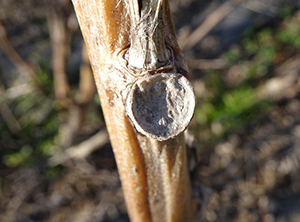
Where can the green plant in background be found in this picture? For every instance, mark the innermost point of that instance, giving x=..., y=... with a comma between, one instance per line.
x=290, y=33
x=38, y=121
x=18, y=158
x=233, y=55
x=228, y=106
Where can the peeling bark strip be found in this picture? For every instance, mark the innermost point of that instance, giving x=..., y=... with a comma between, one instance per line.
x=148, y=49
x=134, y=55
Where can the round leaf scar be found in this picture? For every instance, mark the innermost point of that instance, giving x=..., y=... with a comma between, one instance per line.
x=161, y=106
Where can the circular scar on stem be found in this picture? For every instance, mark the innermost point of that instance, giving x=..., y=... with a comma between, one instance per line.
x=161, y=106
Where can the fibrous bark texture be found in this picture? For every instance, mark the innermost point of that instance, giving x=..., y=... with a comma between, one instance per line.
x=129, y=43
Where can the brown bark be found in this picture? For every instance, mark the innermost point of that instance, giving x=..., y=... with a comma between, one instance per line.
x=154, y=173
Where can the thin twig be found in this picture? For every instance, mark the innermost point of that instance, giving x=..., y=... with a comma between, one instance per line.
x=60, y=39
x=81, y=150
x=14, y=57
x=210, y=22
x=16, y=91
x=207, y=64
x=9, y=118
x=7, y=115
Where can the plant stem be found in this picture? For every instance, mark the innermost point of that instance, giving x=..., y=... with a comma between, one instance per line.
x=154, y=174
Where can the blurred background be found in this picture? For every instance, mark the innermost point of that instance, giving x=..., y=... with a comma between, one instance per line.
x=244, y=140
